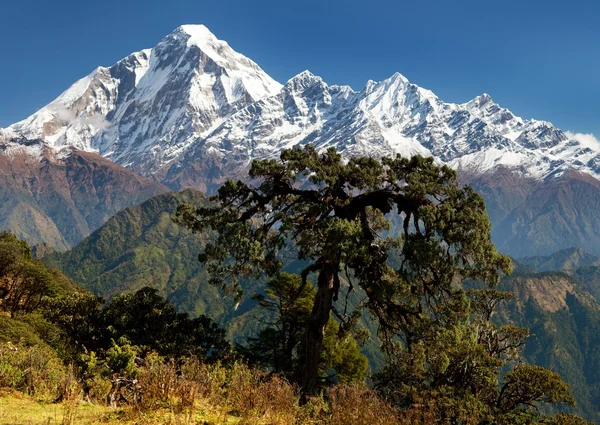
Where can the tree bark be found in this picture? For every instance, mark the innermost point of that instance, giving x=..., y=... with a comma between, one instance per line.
x=310, y=346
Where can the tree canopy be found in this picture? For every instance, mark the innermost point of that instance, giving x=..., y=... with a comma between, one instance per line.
x=338, y=215
x=24, y=281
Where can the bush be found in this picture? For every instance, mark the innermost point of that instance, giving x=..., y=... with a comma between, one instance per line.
x=254, y=395
x=358, y=405
x=17, y=331
x=157, y=381
x=98, y=389
x=35, y=370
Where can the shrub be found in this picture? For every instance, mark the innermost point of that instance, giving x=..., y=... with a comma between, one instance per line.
x=35, y=370
x=157, y=381
x=358, y=405
x=17, y=331
x=256, y=396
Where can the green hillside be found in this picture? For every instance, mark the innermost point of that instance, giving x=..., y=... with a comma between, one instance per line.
x=564, y=321
x=140, y=247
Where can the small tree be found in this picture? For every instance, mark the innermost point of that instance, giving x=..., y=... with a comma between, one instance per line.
x=338, y=216
x=152, y=323
x=456, y=371
x=276, y=345
x=24, y=282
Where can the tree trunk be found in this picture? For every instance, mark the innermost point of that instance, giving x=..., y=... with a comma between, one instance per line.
x=310, y=346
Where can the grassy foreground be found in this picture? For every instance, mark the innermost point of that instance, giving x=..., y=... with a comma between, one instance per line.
x=19, y=409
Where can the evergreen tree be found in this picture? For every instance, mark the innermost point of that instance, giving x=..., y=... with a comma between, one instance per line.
x=337, y=215
x=457, y=370
x=24, y=281
x=276, y=346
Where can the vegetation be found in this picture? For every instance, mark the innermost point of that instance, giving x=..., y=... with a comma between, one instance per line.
x=141, y=247
x=440, y=341
x=339, y=223
x=276, y=346
x=450, y=356
x=562, y=341
x=24, y=281
x=565, y=322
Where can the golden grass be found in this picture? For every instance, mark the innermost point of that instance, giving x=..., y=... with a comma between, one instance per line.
x=19, y=409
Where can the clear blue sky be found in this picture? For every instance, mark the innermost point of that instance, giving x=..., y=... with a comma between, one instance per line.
x=540, y=59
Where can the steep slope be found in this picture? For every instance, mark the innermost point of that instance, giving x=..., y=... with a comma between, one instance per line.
x=503, y=190
x=565, y=323
x=559, y=213
x=59, y=201
x=589, y=276
x=143, y=111
x=141, y=246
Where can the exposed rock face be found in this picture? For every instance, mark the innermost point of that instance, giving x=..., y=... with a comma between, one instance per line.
x=564, y=320
x=145, y=110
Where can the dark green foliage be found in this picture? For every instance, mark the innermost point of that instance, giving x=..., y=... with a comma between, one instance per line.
x=440, y=339
x=140, y=247
x=25, y=282
x=144, y=318
x=80, y=317
x=589, y=278
x=460, y=369
x=17, y=331
x=150, y=322
x=338, y=222
x=526, y=385
x=51, y=309
x=276, y=346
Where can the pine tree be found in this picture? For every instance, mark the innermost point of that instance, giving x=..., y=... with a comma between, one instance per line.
x=338, y=215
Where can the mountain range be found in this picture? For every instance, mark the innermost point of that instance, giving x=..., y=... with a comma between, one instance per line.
x=192, y=112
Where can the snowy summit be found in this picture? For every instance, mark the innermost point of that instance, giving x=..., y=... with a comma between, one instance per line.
x=192, y=104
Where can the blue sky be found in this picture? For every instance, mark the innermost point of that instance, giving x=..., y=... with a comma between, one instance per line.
x=540, y=59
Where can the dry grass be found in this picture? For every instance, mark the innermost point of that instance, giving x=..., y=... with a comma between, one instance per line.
x=359, y=405
x=198, y=394
x=20, y=409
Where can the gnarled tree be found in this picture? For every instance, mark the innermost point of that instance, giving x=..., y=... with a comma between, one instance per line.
x=338, y=217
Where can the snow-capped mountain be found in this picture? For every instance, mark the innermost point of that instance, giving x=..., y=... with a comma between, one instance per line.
x=194, y=105
x=145, y=110
x=192, y=112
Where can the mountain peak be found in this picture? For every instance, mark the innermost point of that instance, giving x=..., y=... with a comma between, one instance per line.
x=396, y=76
x=303, y=81
x=195, y=29
x=305, y=75
x=481, y=101
x=154, y=107
x=197, y=34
